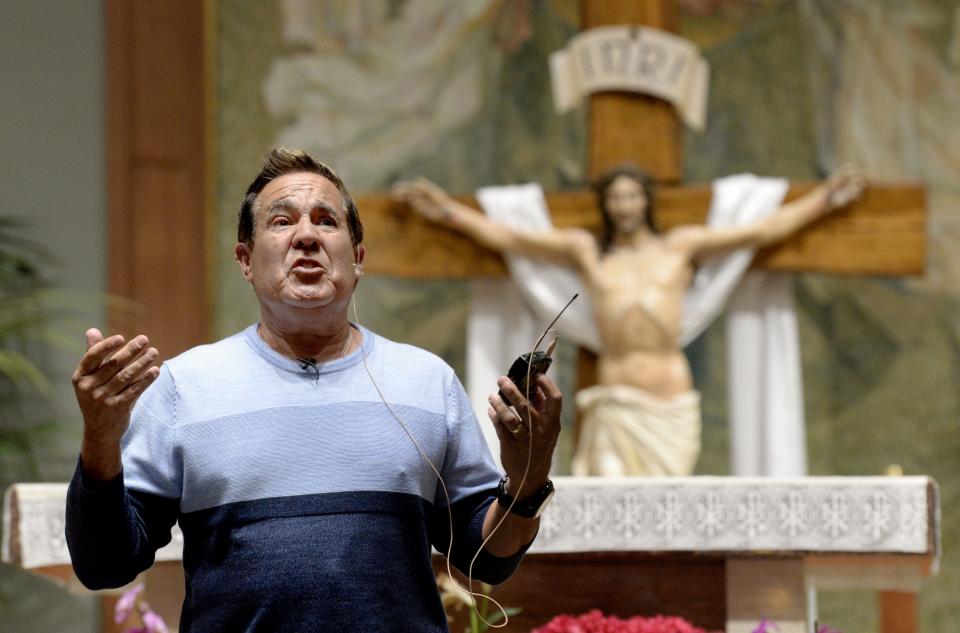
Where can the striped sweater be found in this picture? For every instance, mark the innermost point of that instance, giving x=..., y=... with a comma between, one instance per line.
x=303, y=503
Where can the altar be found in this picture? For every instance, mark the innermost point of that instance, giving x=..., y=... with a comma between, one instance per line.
x=722, y=552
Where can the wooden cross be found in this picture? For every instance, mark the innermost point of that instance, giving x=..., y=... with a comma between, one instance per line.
x=884, y=233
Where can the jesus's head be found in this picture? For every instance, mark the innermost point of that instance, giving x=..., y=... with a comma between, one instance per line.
x=625, y=195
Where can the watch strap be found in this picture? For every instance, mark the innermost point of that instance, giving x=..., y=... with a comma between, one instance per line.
x=529, y=507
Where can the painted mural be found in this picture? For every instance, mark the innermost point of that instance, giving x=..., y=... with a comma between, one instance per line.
x=459, y=92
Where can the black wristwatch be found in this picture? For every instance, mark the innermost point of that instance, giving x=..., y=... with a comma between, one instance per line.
x=530, y=507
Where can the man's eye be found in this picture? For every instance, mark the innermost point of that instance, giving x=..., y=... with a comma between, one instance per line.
x=281, y=221
x=328, y=221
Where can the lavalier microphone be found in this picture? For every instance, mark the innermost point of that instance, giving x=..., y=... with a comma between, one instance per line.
x=309, y=362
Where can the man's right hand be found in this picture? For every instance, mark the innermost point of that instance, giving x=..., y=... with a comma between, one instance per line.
x=110, y=377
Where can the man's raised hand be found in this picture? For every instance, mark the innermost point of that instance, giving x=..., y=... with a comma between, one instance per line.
x=108, y=380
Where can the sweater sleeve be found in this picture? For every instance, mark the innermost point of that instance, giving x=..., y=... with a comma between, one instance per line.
x=114, y=528
x=112, y=532
x=468, y=516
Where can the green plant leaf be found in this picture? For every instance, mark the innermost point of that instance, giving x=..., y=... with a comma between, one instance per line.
x=22, y=372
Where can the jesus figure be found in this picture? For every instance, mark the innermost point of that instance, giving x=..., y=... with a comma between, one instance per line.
x=643, y=416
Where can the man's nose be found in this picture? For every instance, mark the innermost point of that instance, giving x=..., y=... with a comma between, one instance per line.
x=307, y=236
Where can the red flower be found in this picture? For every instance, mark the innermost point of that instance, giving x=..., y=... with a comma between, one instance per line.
x=595, y=622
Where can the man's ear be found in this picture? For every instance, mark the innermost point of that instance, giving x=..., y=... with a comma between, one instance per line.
x=358, y=256
x=241, y=253
x=361, y=252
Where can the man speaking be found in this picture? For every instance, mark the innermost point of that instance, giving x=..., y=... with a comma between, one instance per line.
x=311, y=463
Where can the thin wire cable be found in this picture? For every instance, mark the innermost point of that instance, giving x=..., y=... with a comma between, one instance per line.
x=527, y=405
x=468, y=591
x=523, y=479
x=526, y=470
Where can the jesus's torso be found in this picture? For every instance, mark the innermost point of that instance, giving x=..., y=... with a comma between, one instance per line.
x=638, y=301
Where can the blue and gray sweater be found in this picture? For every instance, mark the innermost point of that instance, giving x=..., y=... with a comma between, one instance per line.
x=303, y=504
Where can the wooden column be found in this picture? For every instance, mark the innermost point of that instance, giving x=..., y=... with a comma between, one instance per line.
x=157, y=209
x=156, y=188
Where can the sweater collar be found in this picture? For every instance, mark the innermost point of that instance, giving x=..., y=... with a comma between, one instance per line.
x=254, y=340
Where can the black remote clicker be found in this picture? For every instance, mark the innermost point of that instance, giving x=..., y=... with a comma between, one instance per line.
x=536, y=363
x=539, y=364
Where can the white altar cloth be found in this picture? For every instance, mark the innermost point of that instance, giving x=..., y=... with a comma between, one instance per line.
x=728, y=515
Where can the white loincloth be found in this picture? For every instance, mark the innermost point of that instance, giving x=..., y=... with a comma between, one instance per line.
x=628, y=432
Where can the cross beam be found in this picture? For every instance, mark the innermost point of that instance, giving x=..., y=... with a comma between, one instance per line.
x=884, y=233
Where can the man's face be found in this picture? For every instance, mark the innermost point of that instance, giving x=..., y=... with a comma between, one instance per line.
x=302, y=255
x=626, y=204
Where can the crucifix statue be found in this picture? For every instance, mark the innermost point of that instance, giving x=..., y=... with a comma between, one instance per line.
x=881, y=234
x=643, y=418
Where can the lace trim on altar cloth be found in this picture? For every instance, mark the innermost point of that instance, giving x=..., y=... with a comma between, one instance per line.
x=717, y=514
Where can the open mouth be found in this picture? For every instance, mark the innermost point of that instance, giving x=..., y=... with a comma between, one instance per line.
x=307, y=267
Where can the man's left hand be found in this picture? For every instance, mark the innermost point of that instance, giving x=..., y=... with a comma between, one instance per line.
x=532, y=437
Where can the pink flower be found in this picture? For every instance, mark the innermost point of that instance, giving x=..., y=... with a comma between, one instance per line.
x=153, y=622
x=125, y=604
x=766, y=626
